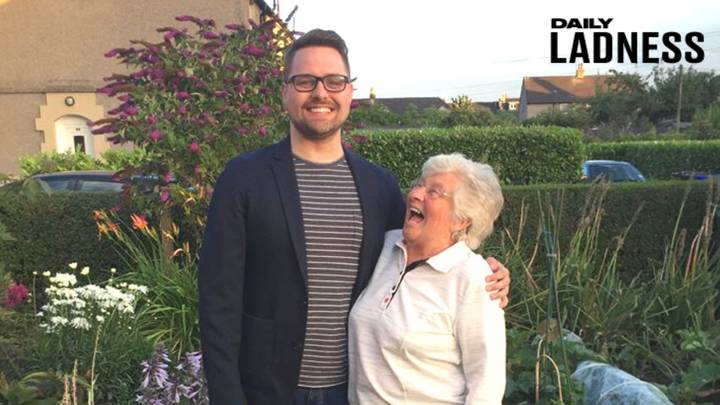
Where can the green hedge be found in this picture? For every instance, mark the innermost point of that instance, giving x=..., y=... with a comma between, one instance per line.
x=659, y=159
x=52, y=230
x=520, y=155
x=659, y=204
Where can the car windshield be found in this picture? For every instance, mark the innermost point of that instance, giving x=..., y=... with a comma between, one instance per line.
x=615, y=172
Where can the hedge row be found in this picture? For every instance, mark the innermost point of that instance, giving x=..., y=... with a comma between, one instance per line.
x=520, y=155
x=657, y=204
x=659, y=159
x=54, y=230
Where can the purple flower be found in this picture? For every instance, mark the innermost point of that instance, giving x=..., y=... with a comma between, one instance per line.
x=253, y=50
x=242, y=131
x=182, y=110
x=182, y=95
x=194, y=147
x=262, y=131
x=220, y=94
x=240, y=89
x=264, y=110
x=164, y=195
x=196, y=169
x=103, y=130
x=275, y=72
x=112, y=53
x=234, y=27
x=210, y=35
x=155, y=369
x=265, y=37
x=155, y=135
x=131, y=110
x=264, y=91
x=151, y=119
x=244, y=107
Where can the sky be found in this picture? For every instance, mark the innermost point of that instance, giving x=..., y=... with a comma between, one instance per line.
x=421, y=48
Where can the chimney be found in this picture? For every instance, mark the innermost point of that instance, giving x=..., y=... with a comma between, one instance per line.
x=580, y=72
x=372, y=95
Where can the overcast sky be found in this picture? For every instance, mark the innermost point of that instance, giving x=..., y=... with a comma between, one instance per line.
x=416, y=48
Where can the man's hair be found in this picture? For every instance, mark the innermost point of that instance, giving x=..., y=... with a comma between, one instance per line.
x=317, y=37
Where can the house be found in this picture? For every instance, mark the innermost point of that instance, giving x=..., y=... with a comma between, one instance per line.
x=51, y=54
x=544, y=93
x=400, y=104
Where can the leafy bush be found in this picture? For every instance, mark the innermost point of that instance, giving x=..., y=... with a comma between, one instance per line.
x=112, y=159
x=706, y=123
x=577, y=116
x=520, y=155
x=52, y=230
x=659, y=159
x=193, y=101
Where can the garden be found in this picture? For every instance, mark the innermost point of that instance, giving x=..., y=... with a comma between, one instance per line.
x=99, y=291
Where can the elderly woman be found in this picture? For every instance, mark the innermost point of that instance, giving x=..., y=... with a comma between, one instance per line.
x=425, y=331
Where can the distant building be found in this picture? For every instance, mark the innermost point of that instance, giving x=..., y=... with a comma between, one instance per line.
x=544, y=93
x=51, y=62
x=400, y=104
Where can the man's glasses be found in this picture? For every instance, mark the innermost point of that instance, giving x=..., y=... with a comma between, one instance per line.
x=431, y=192
x=307, y=83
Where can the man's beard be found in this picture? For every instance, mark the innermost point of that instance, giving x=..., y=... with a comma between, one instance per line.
x=313, y=132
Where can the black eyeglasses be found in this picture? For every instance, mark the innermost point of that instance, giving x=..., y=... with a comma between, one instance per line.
x=307, y=83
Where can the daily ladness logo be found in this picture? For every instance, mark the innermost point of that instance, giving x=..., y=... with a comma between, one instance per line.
x=592, y=42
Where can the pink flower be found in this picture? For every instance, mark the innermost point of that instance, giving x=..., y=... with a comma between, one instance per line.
x=262, y=131
x=194, y=147
x=253, y=50
x=155, y=135
x=264, y=110
x=168, y=177
x=242, y=131
x=196, y=169
x=210, y=35
x=182, y=95
x=131, y=110
x=151, y=120
x=164, y=195
x=240, y=89
x=182, y=110
x=15, y=294
x=234, y=27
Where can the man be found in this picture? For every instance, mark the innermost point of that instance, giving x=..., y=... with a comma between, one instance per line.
x=293, y=234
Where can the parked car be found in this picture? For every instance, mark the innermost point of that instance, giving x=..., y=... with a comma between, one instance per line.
x=697, y=175
x=610, y=170
x=87, y=180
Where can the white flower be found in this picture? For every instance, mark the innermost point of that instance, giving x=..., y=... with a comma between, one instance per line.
x=46, y=273
x=100, y=318
x=73, y=265
x=34, y=273
x=85, y=271
x=80, y=323
x=64, y=279
x=113, y=270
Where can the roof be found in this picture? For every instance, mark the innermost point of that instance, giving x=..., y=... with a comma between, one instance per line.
x=399, y=105
x=490, y=105
x=560, y=89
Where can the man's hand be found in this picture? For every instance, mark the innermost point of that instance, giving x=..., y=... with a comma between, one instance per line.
x=498, y=283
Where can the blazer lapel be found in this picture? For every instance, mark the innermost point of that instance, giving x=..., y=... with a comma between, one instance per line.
x=284, y=172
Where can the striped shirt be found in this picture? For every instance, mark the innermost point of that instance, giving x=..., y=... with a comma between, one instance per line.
x=333, y=226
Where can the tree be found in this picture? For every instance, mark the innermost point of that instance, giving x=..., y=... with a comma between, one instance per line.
x=464, y=113
x=192, y=102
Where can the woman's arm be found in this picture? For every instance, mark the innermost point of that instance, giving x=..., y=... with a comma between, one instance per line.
x=480, y=332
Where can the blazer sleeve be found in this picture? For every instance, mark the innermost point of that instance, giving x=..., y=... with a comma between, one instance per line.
x=396, y=213
x=221, y=278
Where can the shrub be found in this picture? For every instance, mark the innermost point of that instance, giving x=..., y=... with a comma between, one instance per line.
x=520, y=155
x=659, y=159
x=112, y=159
x=574, y=117
x=193, y=101
x=52, y=230
x=706, y=123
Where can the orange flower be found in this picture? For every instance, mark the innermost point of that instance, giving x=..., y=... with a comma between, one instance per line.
x=112, y=227
x=139, y=222
x=99, y=215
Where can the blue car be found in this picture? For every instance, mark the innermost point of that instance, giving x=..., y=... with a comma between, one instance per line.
x=610, y=170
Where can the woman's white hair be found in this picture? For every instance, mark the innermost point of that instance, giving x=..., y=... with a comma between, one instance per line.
x=478, y=198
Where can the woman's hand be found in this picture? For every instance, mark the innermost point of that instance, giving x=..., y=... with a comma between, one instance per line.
x=498, y=283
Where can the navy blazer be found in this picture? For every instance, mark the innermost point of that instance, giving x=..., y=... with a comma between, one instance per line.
x=253, y=271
